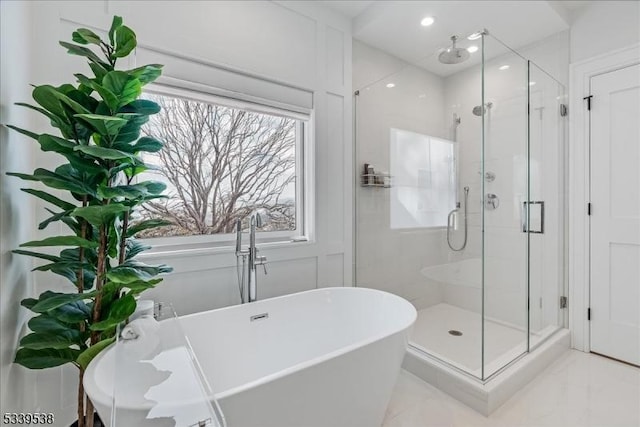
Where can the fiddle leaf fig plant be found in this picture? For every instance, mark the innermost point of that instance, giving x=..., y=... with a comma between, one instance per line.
x=95, y=193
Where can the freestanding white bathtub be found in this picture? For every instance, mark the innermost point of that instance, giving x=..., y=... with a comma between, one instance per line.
x=321, y=358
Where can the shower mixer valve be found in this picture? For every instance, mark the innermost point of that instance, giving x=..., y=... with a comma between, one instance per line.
x=491, y=202
x=488, y=176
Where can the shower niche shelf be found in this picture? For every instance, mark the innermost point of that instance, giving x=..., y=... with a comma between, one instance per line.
x=379, y=180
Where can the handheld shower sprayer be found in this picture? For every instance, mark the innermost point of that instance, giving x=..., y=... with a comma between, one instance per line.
x=449, y=222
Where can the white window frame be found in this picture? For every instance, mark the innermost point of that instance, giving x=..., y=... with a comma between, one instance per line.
x=304, y=177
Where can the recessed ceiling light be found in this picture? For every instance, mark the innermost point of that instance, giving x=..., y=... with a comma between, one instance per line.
x=504, y=67
x=475, y=36
x=427, y=20
x=390, y=85
x=532, y=83
x=472, y=49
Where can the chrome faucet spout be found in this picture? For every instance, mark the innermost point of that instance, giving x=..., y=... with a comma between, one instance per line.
x=238, y=237
x=254, y=260
x=250, y=260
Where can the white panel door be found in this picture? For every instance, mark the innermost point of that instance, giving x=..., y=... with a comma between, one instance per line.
x=615, y=218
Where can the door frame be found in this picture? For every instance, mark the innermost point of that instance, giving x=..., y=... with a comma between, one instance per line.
x=579, y=184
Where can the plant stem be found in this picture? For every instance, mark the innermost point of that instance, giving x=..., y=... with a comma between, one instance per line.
x=83, y=234
x=100, y=278
x=89, y=416
x=123, y=237
x=80, y=412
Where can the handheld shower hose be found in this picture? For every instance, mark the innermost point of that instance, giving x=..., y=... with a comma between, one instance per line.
x=464, y=243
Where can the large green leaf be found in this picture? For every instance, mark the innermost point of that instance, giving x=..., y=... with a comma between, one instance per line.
x=131, y=131
x=114, y=231
x=146, y=225
x=61, y=241
x=73, y=312
x=61, y=123
x=24, y=132
x=49, y=198
x=62, y=270
x=62, y=339
x=108, y=96
x=119, y=311
x=52, y=100
x=56, y=180
x=56, y=300
x=132, y=271
x=45, y=358
x=28, y=303
x=99, y=71
x=146, y=143
x=73, y=266
x=85, y=36
x=89, y=354
x=128, y=167
x=46, y=97
x=68, y=264
x=104, y=125
x=115, y=24
x=146, y=73
x=100, y=214
x=143, y=189
x=125, y=40
x=125, y=87
x=74, y=49
x=48, y=257
x=102, y=152
x=134, y=248
x=83, y=99
x=141, y=286
x=73, y=224
x=141, y=106
x=125, y=275
x=44, y=323
x=55, y=144
x=54, y=218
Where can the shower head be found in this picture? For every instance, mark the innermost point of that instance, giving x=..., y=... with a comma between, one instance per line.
x=453, y=54
x=478, y=110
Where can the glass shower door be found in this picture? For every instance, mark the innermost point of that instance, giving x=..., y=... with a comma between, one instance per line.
x=547, y=204
x=504, y=176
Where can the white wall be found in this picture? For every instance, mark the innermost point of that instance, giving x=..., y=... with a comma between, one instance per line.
x=296, y=44
x=16, y=383
x=604, y=26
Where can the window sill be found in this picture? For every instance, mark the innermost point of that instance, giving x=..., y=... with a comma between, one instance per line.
x=189, y=250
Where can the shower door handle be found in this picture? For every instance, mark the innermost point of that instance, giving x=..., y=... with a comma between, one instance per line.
x=536, y=215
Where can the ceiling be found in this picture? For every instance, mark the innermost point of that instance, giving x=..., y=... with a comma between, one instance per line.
x=394, y=26
x=350, y=9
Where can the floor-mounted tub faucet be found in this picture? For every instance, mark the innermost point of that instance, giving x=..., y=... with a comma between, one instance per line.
x=254, y=260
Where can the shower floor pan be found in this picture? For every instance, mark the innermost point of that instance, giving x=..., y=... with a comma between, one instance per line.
x=443, y=357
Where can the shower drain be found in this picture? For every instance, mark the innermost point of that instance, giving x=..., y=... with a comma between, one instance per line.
x=455, y=333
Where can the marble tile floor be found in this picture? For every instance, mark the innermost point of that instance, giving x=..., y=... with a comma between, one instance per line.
x=577, y=390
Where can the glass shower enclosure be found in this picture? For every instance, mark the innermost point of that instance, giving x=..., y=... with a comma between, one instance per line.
x=460, y=194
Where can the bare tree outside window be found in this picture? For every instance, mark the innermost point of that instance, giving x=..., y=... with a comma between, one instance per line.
x=220, y=164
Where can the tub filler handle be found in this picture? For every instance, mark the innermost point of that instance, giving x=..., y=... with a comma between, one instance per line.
x=259, y=317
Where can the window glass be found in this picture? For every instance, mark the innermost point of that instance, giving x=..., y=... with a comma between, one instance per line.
x=221, y=164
